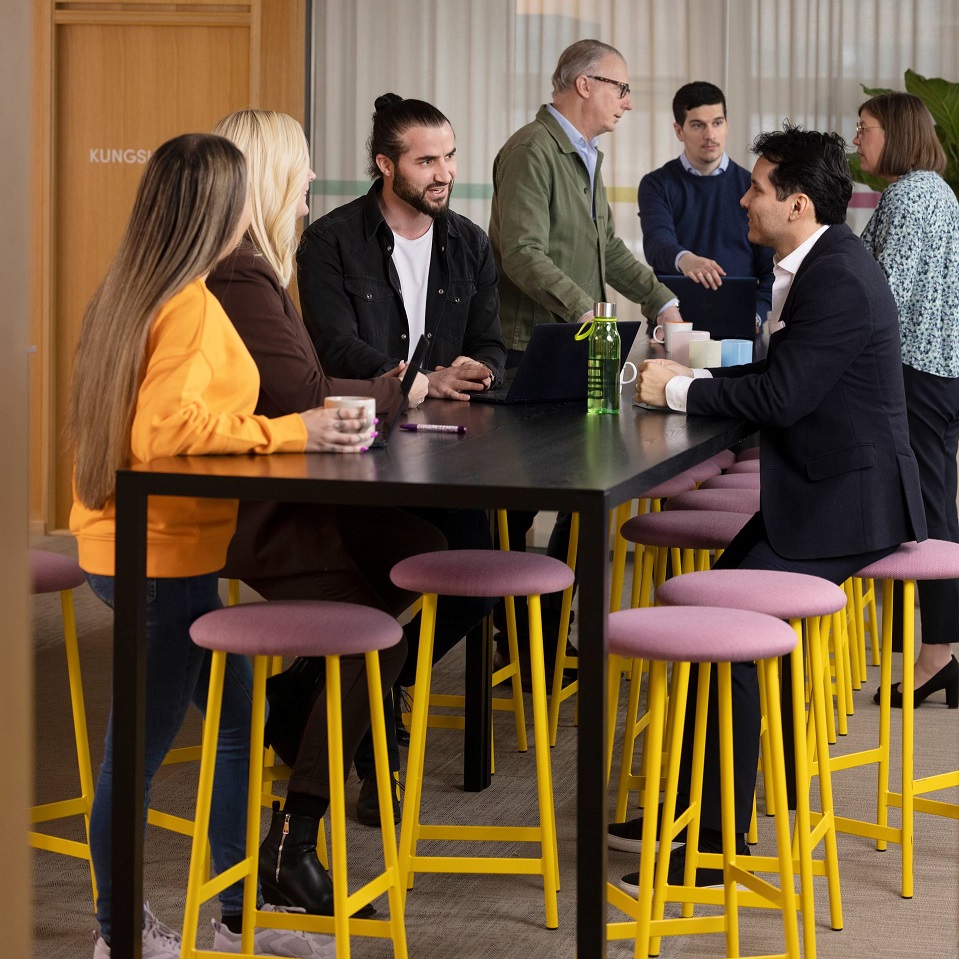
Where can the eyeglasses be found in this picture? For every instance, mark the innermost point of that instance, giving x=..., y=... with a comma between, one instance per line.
x=861, y=129
x=623, y=87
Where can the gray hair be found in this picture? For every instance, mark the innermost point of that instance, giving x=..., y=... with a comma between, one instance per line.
x=580, y=59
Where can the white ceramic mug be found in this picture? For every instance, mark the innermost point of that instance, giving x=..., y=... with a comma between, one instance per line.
x=705, y=353
x=623, y=379
x=681, y=341
x=666, y=331
x=367, y=403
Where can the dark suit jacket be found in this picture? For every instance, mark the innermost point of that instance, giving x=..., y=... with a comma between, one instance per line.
x=275, y=539
x=838, y=475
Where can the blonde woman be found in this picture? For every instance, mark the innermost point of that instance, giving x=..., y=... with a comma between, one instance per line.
x=160, y=371
x=292, y=551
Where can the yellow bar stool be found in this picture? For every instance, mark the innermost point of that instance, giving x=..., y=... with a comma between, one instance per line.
x=482, y=573
x=798, y=599
x=296, y=628
x=53, y=573
x=690, y=536
x=704, y=635
x=931, y=559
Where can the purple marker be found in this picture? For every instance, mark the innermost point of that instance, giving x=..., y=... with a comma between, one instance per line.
x=431, y=428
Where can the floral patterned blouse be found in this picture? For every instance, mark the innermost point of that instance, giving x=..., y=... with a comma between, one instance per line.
x=914, y=234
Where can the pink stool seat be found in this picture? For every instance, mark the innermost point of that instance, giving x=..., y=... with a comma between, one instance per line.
x=482, y=572
x=773, y=592
x=296, y=628
x=749, y=454
x=722, y=500
x=671, y=487
x=702, y=471
x=698, y=634
x=684, y=529
x=744, y=466
x=723, y=459
x=930, y=559
x=51, y=572
x=732, y=481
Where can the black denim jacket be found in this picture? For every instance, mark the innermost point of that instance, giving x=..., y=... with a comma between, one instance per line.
x=352, y=305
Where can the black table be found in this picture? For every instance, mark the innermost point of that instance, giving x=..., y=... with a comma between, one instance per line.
x=534, y=457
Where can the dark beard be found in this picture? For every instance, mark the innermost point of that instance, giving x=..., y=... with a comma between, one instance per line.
x=417, y=199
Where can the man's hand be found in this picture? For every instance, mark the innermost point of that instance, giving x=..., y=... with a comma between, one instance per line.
x=702, y=270
x=652, y=380
x=457, y=381
x=397, y=370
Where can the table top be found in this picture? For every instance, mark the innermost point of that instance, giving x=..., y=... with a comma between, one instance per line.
x=524, y=456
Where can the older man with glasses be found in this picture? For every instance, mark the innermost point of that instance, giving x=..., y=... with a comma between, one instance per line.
x=552, y=231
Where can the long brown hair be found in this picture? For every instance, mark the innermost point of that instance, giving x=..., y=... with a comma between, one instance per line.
x=277, y=160
x=187, y=209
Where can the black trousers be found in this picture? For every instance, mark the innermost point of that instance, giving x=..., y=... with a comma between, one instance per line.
x=751, y=549
x=932, y=405
x=374, y=540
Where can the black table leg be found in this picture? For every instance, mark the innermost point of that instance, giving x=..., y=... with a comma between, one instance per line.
x=478, y=735
x=129, y=718
x=591, y=815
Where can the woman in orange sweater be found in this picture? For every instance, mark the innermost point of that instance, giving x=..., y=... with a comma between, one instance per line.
x=160, y=371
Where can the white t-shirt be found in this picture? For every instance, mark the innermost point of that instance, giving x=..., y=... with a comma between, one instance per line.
x=412, y=261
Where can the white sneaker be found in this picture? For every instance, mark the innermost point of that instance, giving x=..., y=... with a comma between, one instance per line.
x=159, y=941
x=276, y=942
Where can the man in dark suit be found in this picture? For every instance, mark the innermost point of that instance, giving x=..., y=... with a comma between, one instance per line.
x=840, y=486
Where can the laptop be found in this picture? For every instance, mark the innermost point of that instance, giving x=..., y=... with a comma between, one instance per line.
x=387, y=426
x=726, y=313
x=553, y=366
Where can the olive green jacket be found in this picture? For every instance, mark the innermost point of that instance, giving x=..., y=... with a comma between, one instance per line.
x=554, y=260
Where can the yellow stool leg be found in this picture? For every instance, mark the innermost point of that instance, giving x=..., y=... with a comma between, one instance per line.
x=78, y=708
x=409, y=830
x=560, y=693
x=334, y=723
x=519, y=714
x=728, y=813
x=384, y=785
x=544, y=772
x=885, y=718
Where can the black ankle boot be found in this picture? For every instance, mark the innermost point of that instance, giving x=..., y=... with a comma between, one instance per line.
x=290, y=874
x=291, y=695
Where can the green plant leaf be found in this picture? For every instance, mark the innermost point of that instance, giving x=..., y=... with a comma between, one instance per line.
x=859, y=176
x=875, y=91
x=941, y=98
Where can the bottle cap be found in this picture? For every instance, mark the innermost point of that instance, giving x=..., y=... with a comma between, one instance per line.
x=604, y=311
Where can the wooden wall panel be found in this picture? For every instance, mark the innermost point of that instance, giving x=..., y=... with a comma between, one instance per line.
x=122, y=78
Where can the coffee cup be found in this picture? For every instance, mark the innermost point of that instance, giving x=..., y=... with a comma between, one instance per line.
x=367, y=403
x=681, y=341
x=625, y=380
x=666, y=331
x=704, y=354
x=737, y=352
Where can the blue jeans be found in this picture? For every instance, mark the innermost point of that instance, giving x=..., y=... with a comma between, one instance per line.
x=178, y=673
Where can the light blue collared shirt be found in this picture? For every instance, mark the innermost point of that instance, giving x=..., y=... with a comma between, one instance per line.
x=587, y=149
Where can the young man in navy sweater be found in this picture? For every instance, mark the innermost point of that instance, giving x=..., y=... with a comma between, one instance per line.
x=689, y=208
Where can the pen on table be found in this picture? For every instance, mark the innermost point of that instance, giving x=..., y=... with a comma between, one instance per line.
x=432, y=428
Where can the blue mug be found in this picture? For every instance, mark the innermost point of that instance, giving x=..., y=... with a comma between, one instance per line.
x=737, y=352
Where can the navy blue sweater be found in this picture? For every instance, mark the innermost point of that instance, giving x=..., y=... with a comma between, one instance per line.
x=681, y=211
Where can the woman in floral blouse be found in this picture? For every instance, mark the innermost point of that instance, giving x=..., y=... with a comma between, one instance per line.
x=914, y=234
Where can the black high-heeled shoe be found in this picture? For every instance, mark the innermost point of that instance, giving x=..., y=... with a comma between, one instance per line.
x=947, y=678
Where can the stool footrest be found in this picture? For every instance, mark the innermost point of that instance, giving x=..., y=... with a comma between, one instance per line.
x=500, y=866
x=165, y=820
x=868, y=830
x=59, y=810
x=68, y=847
x=935, y=807
x=853, y=760
x=480, y=833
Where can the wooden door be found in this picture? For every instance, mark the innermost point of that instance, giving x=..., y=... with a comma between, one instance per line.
x=118, y=79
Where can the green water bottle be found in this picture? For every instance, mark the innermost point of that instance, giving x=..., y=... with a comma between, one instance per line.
x=602, y=370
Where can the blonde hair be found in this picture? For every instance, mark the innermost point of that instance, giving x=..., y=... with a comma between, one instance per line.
x=187, y=210
x=277, y=158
